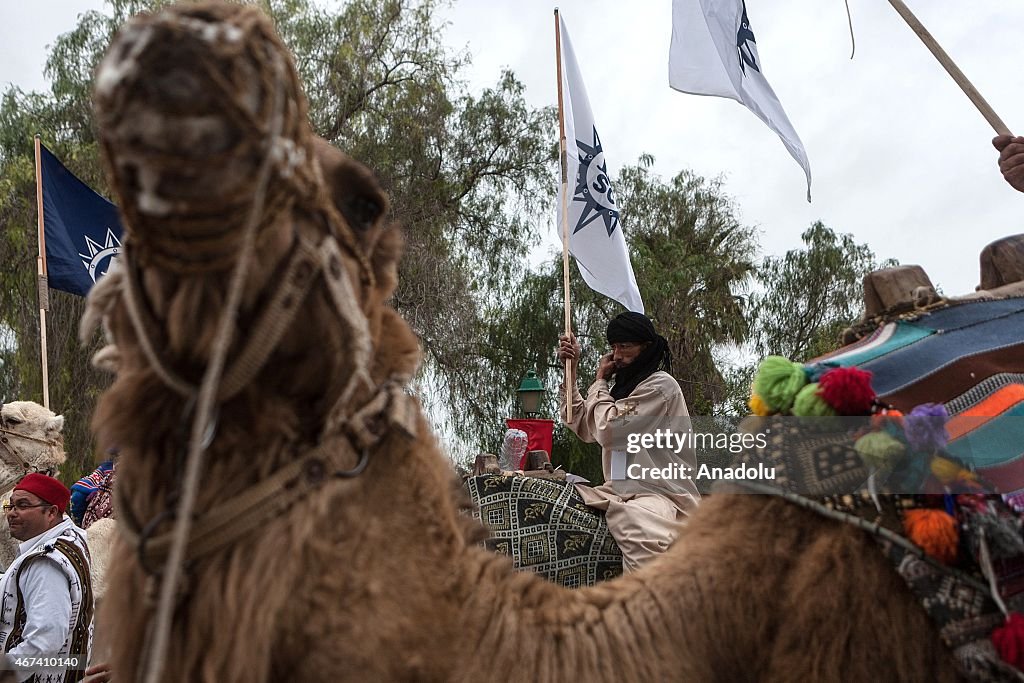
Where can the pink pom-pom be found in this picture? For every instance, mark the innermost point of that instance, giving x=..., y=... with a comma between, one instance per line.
x=847, y=390
x=1009, y=640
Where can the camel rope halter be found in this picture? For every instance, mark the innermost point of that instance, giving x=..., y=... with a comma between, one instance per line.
x=281, y=141
x=12, y=458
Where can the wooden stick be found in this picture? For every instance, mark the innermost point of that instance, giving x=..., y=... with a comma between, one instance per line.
x=41, y=276
x=570, y=381
x=951, y=68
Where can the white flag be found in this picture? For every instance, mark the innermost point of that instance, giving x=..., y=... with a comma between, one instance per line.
x=595, y=236
x=713, y=52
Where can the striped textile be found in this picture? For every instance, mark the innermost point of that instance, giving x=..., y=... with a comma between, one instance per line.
x=904, y=353
x=979, y=393
x=885, y=340
x=969, y=357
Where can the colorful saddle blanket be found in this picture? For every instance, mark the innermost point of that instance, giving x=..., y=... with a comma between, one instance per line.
x=968, y=357
x=545, y=526
x=966, y=559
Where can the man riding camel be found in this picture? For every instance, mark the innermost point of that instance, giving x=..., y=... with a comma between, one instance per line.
x=644, y=517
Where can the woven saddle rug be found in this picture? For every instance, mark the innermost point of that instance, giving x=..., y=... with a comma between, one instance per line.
x=545, y=527
x=968, y=357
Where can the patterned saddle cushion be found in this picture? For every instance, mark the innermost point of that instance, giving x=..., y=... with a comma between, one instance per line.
x=545, y=527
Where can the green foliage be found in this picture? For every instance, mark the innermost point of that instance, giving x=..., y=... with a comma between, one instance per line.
x=63, y=118
x=811, y=294
x=466, y=172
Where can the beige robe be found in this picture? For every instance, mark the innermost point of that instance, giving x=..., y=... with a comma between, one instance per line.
x=644, y=524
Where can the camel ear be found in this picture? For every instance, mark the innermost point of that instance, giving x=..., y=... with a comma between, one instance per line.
x=353, y=188
x=54, y=425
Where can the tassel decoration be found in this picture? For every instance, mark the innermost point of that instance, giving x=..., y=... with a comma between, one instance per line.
x=848, y=390
x=758, y=406
x=1009, y=640
x=809, y=404
x=879, y=450
x=933, y=531
x=946, y=471
x=777, y=382
x=925, y=427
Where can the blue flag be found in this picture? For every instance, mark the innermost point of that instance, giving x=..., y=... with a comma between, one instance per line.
x=82, y=229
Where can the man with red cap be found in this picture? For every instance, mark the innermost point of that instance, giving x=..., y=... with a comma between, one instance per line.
x=46, y=601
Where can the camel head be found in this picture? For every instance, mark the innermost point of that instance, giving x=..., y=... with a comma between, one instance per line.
x=30, y=441
x=208, y=148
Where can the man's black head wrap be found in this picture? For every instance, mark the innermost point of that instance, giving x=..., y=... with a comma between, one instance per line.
x=636, y=327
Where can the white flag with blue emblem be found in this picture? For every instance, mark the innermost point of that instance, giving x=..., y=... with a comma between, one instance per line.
x=595, y=236
x=713, y=52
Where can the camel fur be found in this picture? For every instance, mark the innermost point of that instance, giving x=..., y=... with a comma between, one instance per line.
x=379, y=577
x=100, y=537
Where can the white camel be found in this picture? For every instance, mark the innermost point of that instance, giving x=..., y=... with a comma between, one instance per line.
x=31, y=440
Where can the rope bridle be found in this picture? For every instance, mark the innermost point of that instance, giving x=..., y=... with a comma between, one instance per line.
x=12, y=458
x=225, y=234
x=346, y=431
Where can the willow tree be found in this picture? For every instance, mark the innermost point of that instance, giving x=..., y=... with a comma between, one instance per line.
x=809, y=295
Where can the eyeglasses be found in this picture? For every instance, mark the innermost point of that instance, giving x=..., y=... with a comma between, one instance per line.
x=21, y=508
x=627, y=346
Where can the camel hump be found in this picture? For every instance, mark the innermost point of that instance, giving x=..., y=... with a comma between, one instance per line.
x=888, y=288
x=1002, y=262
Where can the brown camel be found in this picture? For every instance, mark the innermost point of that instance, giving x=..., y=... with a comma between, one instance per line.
x=375, y=575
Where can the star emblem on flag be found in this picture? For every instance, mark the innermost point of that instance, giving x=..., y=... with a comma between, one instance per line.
x=745, y=43
x=100, y=254
x=594, y=187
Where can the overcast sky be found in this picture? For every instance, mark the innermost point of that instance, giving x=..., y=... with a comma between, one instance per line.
x=899, y=156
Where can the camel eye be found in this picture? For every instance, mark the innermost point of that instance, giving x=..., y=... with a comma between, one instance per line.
x=15, y=420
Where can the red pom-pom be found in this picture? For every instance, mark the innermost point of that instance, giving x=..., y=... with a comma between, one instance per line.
x=847, y=390
x=1009, y=640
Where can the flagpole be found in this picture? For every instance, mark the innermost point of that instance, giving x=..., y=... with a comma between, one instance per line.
x=951, y=68
x=570, y=381
x=42, y=289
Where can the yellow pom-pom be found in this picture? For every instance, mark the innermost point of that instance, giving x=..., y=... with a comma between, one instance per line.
x=946, y=471
x=758, y=407
x=934, y=531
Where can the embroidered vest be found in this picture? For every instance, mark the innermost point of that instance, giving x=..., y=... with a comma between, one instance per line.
x=72, y=556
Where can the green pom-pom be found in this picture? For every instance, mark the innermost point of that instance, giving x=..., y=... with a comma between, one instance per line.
x=778, y=381
x=809, y=404
x=879, y=450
